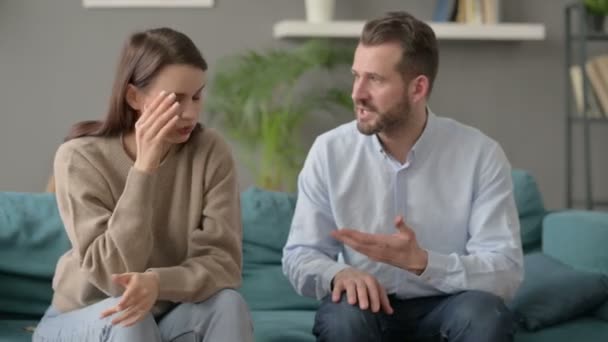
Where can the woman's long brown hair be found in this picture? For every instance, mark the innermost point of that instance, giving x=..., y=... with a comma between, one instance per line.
x=143, y=56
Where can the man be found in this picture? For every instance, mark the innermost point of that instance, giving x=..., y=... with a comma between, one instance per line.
x=418, y=207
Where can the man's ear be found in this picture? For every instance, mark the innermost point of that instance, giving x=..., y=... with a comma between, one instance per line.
x=419, y=88
x=135, y=98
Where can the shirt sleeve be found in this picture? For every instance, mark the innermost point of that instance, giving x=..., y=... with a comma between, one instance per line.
x=310, y=254
x=214, y=249
x=106, y=237
x=494, y=258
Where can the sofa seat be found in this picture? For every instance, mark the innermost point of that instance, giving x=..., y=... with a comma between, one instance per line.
x=295, y=325
x=15, y=330
x=582, y=329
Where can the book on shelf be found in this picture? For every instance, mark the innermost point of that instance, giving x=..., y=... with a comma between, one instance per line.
x=467, y=11
x=444, y=10
x=596, y=69
x=576, y=79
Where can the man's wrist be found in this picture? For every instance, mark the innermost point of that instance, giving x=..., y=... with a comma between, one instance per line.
x=419, y=262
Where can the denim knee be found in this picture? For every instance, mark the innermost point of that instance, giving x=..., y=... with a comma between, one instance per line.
x=230, y=303
x=482, y=316
x=86, y=325
x=345, y=322
x=144, y=330
x=225, y=305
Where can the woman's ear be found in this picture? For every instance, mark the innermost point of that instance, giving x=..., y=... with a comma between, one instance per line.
x=135, y=98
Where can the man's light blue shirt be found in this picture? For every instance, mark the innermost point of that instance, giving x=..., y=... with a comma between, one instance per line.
x=454, y=191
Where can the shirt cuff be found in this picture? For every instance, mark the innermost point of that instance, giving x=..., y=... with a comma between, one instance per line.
x=327, y=277
x=436, y=269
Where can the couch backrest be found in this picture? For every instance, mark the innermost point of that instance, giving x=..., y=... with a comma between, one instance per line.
x=266, y=219
x=530, y=207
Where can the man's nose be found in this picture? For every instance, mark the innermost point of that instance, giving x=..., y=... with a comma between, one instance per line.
x=359, y=92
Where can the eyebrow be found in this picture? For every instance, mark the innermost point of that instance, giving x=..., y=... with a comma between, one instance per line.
x=184, y=94
x=367, y=74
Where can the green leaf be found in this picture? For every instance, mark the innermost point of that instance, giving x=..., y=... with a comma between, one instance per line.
x=254, y=97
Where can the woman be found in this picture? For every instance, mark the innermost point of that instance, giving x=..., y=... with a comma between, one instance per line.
x=150, y=202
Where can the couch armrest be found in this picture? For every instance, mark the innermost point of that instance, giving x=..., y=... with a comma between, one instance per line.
x=577, y=238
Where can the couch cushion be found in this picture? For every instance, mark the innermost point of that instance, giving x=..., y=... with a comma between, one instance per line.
x=577, y=238
x=283, y=325
x=24, y=295
x=30, y=222
x=16, y=330
x=266, y=288
x=584, y=329
x=32, y=239
x=602, y=312
x=530, y=207
x=553, y=292
x=266, y=221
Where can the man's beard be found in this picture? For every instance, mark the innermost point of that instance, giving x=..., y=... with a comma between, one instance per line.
x=387, y=121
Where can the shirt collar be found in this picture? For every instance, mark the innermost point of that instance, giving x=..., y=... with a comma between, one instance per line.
x=421, y=144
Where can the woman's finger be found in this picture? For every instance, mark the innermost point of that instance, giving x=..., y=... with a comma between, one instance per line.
x=150, y=108
x=109, y=312
x=164, y=120
x=133, y=300
x=140, y=314
x=126, y=315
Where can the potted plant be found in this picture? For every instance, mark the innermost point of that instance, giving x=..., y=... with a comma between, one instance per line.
x=255, y=98
x=596, y=11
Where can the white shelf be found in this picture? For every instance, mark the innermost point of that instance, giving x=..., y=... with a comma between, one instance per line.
x=443, y=31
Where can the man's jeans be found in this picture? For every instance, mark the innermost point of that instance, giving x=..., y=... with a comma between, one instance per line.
x=471, y=316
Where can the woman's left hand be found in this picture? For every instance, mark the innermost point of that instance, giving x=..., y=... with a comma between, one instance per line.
x=141, y=292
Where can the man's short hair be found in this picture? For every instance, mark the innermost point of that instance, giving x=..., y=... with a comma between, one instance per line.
x=417, y=39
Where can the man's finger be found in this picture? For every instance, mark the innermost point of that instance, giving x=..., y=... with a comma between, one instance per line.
x=375, y=252
x=401, y=226
x=385, y=303
x=373, y=291
x=348, y=240
x=362, y=295
x=337, y=292
x=399, y=220
x=360, y=238
x=351, y=292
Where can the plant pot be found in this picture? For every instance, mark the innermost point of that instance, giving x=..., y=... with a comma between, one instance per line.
x=318, y=11
x=595, y=22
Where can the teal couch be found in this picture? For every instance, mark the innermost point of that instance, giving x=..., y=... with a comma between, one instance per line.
x=32, y=239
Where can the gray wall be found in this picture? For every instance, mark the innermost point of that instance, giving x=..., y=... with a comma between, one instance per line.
x=57, y=60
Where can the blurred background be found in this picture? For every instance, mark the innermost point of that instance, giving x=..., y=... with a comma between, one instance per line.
x=57, y=61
